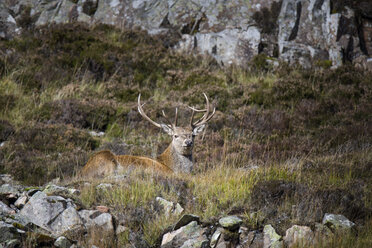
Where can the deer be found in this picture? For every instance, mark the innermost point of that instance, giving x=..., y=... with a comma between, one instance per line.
x=177, y=158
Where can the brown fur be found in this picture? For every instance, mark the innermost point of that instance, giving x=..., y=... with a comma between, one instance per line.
x=104, y=163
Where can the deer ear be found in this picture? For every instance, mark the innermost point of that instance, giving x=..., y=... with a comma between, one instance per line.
x=198, y=129
x=167, y=129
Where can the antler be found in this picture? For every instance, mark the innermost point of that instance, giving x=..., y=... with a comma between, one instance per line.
x=170, y=124
x=140, y=110
x=205, y=118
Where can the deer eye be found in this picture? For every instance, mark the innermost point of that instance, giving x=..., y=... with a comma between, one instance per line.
x=175, y=136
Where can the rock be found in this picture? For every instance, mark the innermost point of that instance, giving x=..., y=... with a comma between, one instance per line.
x=8, y=27
x=246, y=238
x=230, y=46
x=21, y=201
x=271, y=238
x=186, y=219
x=95, y=218
x=215, y=237
x=231, y=223
x=62, y=242
x=169, y=207
x=191, y=235
x=13, y=243
x=9, y=232
x=337, y=222
x=53, y=213
x=4, y=209
x=9, y=190
x=298, y=236
x=52, y=189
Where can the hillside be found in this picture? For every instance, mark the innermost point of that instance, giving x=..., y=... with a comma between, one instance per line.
x=286, y=145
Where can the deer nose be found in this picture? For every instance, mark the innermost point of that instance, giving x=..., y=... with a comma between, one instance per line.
x=188, y=142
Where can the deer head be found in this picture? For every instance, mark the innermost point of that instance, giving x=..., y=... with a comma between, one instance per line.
x=182, y=137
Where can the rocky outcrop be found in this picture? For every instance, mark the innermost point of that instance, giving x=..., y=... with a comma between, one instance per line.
x=297, y=31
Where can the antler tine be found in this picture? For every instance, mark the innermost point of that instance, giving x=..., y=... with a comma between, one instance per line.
x=166, y=118
x=192, y=117
x=175, y=118
x=206, y=117
x=140, y=110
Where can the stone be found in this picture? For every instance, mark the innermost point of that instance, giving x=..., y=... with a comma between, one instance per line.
x=337, y=222
x=246, y=237
x=191, y=235
x=4, y=209
x=271, y=238
x=231, y=223
x=95, y=218
x=8, y=189
x=52, y=189
x=215, y=237
x=8, y=27
x=62, y=242
x=21, y=201
x=186, y=219
x=169, y=207
x=298, y=236
x=53, y=213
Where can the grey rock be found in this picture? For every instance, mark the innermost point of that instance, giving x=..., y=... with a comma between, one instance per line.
x=186, y=219
x=215, y=237
x=21, y=201
x=53, y=213
x=298, y=235
x=62, y=242
x=169, y=207
x=231, y=223
x=95, y=218
x=8, y=189
x=8, y=27
x=52, y=189
x=191, y=235
x=4, y=209
x=337, y=222
x=271, y=238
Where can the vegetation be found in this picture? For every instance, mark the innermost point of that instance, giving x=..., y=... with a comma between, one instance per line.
x=285, y=146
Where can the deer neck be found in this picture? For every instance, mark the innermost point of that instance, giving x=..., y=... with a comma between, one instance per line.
x=176, y=161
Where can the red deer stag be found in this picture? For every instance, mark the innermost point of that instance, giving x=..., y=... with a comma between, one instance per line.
x=176, y=158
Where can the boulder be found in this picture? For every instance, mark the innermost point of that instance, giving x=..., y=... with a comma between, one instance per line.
x=271, y=238
x=337, y=222
x=53, y=213
x=191, y=235
x=298, y=236
x=8, y=25
x=231, y=223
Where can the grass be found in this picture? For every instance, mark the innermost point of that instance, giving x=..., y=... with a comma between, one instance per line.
x=284, y=139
